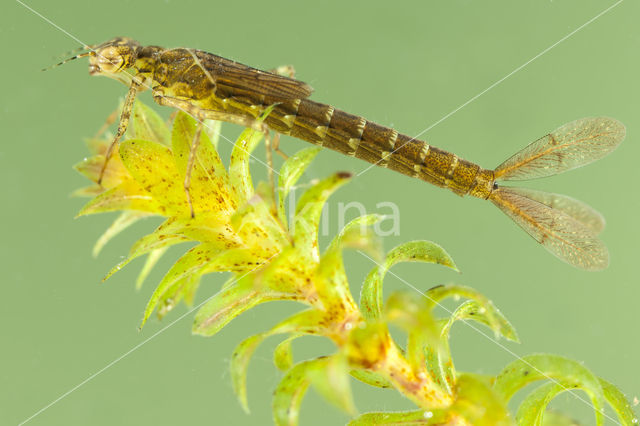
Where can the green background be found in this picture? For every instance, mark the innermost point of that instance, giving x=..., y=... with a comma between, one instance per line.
x=406, y=64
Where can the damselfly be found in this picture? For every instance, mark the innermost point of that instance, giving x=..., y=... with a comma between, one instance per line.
x=211, y=87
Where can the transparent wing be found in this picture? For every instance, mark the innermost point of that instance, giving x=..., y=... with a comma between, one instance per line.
x=578, y=210
x=573, y=145
x=561, y=234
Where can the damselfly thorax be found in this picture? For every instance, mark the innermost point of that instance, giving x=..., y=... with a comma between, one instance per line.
x=211, y=87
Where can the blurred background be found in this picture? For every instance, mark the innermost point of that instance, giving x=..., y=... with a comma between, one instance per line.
x=407, y=65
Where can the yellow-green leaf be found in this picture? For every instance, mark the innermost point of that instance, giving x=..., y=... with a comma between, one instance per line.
x=409, y=310
x=330, y=377
x=192, y=262
x=184, y=288
x=228, y=303
x=239, y=366
x=213, y=127
x=484, y=311
x=371, y=378
x=256, y=224
x=152, y=260
x=114, y=174
x=305, y=322
x=288, y=395
x=404, y=418
x=439, y=359
x=290, y=172
x=151, y=165
x=283, y=355
x=619, y=403
x=126, y=196
x=239, y=171
x=308, y=210
x=122, y=222
x=560, y=370
x=478, y=403
x=414, y=251
x=210, y=190
x=531, y=411
x=148, y=125
x=331, y=283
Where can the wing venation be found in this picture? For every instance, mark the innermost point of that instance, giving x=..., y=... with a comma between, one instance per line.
x=238, y=79
x=561, y=234
x=573, y=145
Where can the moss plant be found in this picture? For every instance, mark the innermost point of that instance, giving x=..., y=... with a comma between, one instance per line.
x=244, y=231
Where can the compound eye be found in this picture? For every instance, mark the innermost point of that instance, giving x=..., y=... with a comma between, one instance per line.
x=110, y=60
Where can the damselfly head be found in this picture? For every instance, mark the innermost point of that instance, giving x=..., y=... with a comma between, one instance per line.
x=112, y=56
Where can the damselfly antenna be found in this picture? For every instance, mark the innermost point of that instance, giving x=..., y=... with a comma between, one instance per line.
x=75, y=51
x=81, y=55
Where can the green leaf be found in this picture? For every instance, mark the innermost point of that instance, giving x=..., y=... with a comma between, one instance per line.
x=151, y=165
x=239, y=366
x=210, y=190
x=98, y=145
x=414, y=251
x=288, y=395
x=282, y=355
x=305, y=322
x=440, y=364
x=152, y=259
x=531, y=411
x=619, y=403
x=126, y=196
x=478, y=403
x=122, y=222
x=563, y=371
x=309, y=321
x=227, y=304
x=290, y=172
x=213, y=127
x=410, y=312
x=165, y=235
x=420, y=251
x=114, y=174
x=308, y=210
x=90, y=191
x=439, y=359
x=553, y=418
x=330, y=378
x=205, y=257
x=149, y=126
x=239, y=170
x=483, y=311
x=358, y=234
x=331, y=283
x=368, y=344
x=206, y=227
x=255, y=224
x=286, y=274
x=371, y=378
x=403, y=418
x=184, y=288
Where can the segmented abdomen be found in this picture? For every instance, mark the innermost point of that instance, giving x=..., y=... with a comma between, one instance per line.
x=352, y=135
